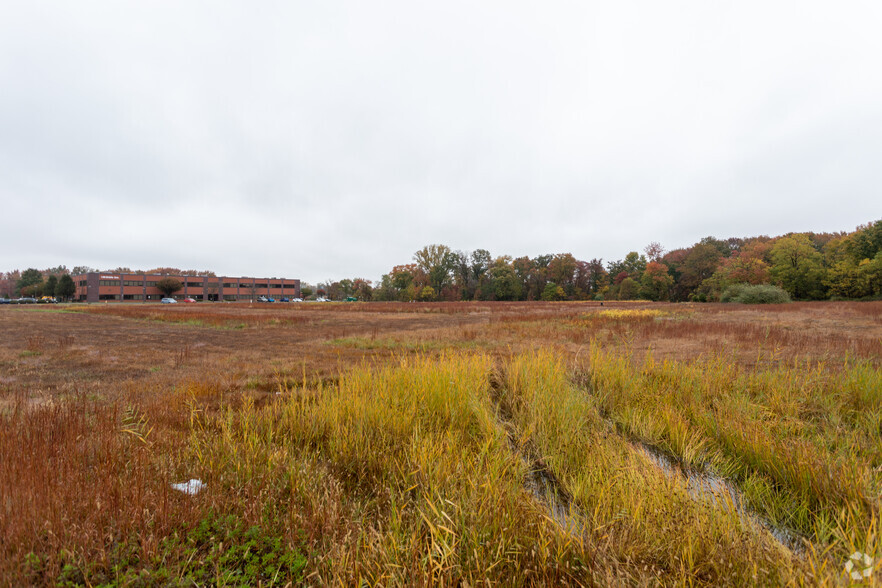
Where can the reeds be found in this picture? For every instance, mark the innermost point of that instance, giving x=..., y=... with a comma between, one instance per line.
x=407, y=451
x=802, y=440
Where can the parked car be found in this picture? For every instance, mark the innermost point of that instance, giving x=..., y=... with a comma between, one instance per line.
x=25, y=300
x=168, y=301
x=284, y=299
x=297, y=300
x=189, y=300
x=262, y=299
x=47, y=300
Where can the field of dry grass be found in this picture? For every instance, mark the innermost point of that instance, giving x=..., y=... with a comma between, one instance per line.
x=421, y=444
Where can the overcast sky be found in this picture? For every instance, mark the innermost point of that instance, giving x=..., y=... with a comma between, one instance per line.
x=333, y=139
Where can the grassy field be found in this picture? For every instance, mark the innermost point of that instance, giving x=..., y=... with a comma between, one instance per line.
x=441, y=444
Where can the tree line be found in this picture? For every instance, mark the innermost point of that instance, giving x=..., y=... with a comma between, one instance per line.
x=35, y=283
x=805, y=266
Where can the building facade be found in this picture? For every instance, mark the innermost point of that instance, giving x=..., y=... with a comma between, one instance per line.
x=107, y=286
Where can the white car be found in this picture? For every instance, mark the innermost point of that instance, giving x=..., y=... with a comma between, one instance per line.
x=168, y=301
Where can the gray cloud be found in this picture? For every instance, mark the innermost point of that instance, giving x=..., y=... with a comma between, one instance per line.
x=334, y=140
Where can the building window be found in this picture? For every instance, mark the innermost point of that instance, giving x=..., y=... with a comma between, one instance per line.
x=133, y=297
x=109, y=283
x=108, y=297
x=229, y=284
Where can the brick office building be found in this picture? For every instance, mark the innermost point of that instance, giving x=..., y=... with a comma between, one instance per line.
x=101, y=286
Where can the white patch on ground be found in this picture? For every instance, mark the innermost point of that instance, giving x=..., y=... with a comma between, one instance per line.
x=193, y=487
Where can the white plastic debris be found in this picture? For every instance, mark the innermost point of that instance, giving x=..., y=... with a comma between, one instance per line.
x=194, y=486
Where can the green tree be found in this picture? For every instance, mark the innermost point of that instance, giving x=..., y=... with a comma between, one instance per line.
x=169, y=285
x=553, y=292
x=65, y=287
x=480, y=265
x=437, y=262
x=634, y=264
x=871, y=270
x=50, y=285
x=866, y=241
x=29, y=280
x=385, y=291
x=523, y=267
x=845, y=280
x=427, y=294
x=839, y=249
x=505, y=283
x=462, y=274
x=629, y=289
x=402, y=276
x=532, y=277
x=849, y=280
x=798, y=267
x=347, y=288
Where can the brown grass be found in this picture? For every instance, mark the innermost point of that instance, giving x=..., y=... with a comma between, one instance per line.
x=102, y=408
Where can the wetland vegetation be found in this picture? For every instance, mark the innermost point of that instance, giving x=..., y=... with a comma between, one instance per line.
x=450, y=443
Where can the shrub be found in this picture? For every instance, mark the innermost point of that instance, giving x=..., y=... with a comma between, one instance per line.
x=553, y=292
x=169, y=286
x=755, y=294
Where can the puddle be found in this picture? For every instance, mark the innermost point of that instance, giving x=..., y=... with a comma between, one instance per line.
x=703, y=485
x=719, y=492
x=541, y=482
x=548, y=492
